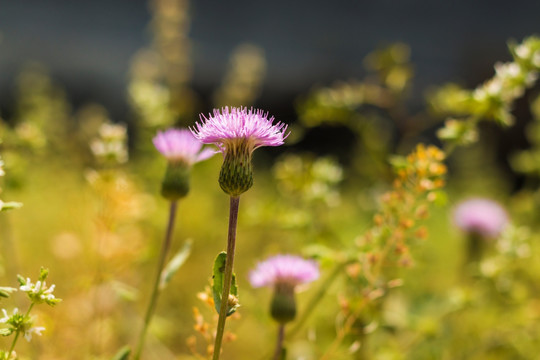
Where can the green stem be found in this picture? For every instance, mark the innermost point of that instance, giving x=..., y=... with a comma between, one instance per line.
x=278, y=354
x=13, y=345
x=156, y=289
x=17, y=334
x=475, y=248
x=227, y=277
x=29, y=309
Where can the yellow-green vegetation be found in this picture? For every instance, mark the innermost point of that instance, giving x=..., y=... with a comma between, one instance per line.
x=395, y=282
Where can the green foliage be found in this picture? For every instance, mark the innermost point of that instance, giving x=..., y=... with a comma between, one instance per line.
x=491, y=101
x=217, y=285
x=122, y=354
x=175, y=264
x=22, y=323
x=9, y=205
x=390, y=75
x=528, y=161
x=395, y=292
x=5, y=292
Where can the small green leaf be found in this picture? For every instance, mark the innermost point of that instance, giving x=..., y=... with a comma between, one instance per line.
x=217, y=278
x=217, y=285
x=22, y=281
x=6, y=291
x=52, y=302
x=9, y=205
x=398, y=162
x=125, y=291
x=6, y=332
x=175, y=264
x=234, y=287
x=43, y=273
x=122, y=354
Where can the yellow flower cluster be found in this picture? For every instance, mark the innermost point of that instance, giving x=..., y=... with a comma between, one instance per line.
x=419, y=180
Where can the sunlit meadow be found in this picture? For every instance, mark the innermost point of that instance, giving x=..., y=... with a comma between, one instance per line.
x=121, y=241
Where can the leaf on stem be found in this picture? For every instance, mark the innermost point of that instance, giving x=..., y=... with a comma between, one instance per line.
x=122, y=354
x=174, y=265
x=6, y=291
x=6, y=331
x=217, y=285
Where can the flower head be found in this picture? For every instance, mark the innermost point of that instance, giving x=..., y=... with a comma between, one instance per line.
x=39, y=292
x=237, y=132
x=179, y=145
x=19, y=322
x=479, y=216
x=284, y=269
x=284, y=273
x=182, y=150
x=33, y=330
x=6, y=317
x=229, y=128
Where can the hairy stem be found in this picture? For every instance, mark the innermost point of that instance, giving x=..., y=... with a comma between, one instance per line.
x=227, y=277
x=156, y=289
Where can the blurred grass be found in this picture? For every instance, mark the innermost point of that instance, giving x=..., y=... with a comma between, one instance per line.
x=99, y=227
x=60, y=227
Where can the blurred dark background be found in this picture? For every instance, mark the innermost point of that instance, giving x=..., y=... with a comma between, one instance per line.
x=87, y=45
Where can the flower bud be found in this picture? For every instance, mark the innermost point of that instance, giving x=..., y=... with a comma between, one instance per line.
x=283, y=306
x=236, y=175
x=175, y=184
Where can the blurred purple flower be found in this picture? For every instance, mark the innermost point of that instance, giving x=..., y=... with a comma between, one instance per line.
x=481, y=216
x=284, y=270
x=229, y=129
x=179, y=145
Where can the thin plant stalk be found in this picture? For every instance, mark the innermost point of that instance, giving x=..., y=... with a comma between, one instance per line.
x=227, y=277
x=156, y=289
x=316, y=298
x=278, y=354
x=17, y=334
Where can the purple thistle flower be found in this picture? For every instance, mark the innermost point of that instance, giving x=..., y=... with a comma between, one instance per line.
x=288, y=270
x=179, y=145
x=237, y=133
x=230, y=128
x=481, y=216
x=182, y=150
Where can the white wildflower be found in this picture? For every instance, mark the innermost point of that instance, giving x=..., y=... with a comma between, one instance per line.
x=523, y=51
x=508, y=71
x=39, y=291
x=28, y=287
x=491, y=88
x=6, y=317
x=48, y=294
x=33, y=330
